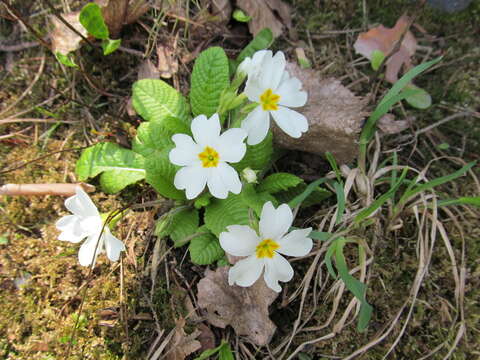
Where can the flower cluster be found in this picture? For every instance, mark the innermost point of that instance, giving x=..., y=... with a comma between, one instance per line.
x=204, y=160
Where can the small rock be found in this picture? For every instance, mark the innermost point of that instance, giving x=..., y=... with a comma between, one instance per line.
x=335, y=117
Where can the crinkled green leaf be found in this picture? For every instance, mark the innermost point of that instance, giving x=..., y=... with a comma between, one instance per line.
x=119, y=166
x=210, y=77
x=205, y=249
x=254, y=199
x=257, y=156
x=109, y=46
x=277, y=182
x=180, y=226
x=155, y=100
x=151, y=137
x=224, y=212
x=241, y=16
x=91, y=19
x=160, y=173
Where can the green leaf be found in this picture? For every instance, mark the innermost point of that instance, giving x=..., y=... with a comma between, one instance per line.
x=393, y=96
x=435, y=182
x=356, y=287
x=3, y=240
x=226, y=353
x=180, y=226
x=222, y=213
x=109, y=45
x=277, y=182
x=160, y=173
x=241, y=16
x=209, y=352
x=210, y=77
x=340, y=201
x=475, y=200
x=256, y=200
x=382, y=199
x=257, y=156
x=377, y=59
x=205, y=249
x=176, y=126
x=151, y=137
x=92, y=19
x=66, y=59
x=119, y=166
x=263, y=40
x=304, y=194
x=420, y=100
x=316, y=196
x=155, y=100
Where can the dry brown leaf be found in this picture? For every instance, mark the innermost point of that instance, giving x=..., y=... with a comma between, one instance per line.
x=147, y=70
x=385, y=39
x=245, y=309
x=65, y=40
x=274, y=14
x=335, y=116
x=182, y=344
x=388, y=125
x=167, y=61
x=206, y=337
x=118, y=13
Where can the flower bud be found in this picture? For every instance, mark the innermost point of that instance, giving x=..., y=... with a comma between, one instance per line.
x=249, y=175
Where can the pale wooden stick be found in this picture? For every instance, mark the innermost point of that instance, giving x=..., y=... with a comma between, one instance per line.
x=43, y=189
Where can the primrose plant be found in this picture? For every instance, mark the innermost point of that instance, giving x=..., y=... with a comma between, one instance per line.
x=212, y=153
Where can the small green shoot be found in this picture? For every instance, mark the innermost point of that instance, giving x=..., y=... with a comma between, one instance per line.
x=377, y=59
x=241, y=16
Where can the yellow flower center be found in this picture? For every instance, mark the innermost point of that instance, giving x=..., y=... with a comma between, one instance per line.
x=209, y=157
x=266, y=248
x=269, y=100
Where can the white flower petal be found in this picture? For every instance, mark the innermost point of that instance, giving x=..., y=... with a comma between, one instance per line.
x=239, y=240
x=192, y=179
x=290, y=92
x=86, y=254
x=296, y=243
x=274, y=223
x=186, y=150
x=113, y=246
x=246, y=271
x=256, y=124
x=223, y=179
x=71, y=230
x=206, y=131
x=290, y=121
x=254, y=88
x=230, y=146
x=80, y=204
x=272, y=70
x=277, y=269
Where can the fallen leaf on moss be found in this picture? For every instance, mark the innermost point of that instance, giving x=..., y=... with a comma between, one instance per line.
x=182, y=344
x=385, y=40
x=65, y=40
x=245, y=309
x=274, y=14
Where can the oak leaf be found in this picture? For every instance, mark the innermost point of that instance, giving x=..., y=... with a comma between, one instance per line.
x=274, y=14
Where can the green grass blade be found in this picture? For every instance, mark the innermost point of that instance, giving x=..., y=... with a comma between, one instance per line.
x=310, y=188
x=340, y=201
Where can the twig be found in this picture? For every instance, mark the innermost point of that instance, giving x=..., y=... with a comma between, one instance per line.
x=19, y=47
x=34, y=120
x=43, y=189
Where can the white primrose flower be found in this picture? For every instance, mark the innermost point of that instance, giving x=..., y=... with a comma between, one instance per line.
x=205, y=158
x=263, y=251
x=86, y=222
x=270, y=85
